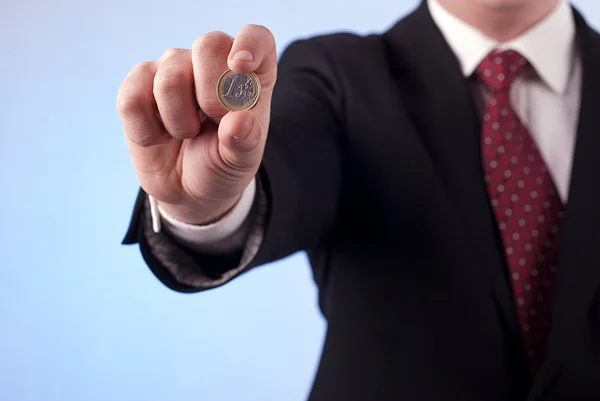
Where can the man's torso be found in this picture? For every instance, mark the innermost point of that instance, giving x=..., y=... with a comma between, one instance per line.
x=413, y=279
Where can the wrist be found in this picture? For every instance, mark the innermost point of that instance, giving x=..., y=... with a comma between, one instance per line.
x=197, y=214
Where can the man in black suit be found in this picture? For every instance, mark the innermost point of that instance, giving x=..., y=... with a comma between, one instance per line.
x=440, y=177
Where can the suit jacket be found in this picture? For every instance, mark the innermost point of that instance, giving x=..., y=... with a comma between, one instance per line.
x=373, y=168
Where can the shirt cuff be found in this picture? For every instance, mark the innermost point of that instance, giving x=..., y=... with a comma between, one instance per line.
x=225, y=235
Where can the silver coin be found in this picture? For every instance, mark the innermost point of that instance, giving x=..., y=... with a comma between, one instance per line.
x=237, y=91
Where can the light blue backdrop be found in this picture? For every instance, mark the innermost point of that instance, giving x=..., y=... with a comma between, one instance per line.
x=81, y=317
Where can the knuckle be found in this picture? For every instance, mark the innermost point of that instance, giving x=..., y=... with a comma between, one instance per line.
x=141, y=69
x=143, y=139
x=174, y=74
x=256, y=33
x=137, y=132
x=170, y=80
x=237, y=166
x=221, y=169
x=173, y=52
x=130, y=97
x=212, y=42
x=262, y=30
x=128, y=104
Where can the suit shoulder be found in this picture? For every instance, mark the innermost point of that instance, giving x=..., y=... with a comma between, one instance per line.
x=345, y=42
x=341, y=47
x=343, y=39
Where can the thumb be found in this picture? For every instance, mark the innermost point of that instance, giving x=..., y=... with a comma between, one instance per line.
x=241, y=141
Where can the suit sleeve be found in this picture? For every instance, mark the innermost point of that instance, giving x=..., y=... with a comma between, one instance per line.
x=224, y=236
x=298, y=183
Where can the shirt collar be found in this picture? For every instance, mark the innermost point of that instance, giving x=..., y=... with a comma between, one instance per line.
x=549, y=46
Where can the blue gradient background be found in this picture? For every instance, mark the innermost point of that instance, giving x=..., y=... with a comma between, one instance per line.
x=81, y=317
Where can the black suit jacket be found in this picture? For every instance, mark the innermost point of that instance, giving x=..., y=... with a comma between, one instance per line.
x=373, y=167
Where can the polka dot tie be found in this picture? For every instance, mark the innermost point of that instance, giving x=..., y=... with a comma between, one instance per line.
x=527, y=207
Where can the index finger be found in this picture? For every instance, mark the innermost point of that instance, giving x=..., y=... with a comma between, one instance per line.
x=254, y=50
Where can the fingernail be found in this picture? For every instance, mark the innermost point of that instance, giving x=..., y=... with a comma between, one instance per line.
x=243, y=55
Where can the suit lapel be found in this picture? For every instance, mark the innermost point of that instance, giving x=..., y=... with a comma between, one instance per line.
x=579, y=263
x=443, y=110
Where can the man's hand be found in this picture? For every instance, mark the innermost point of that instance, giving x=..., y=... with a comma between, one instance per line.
x=197, y=163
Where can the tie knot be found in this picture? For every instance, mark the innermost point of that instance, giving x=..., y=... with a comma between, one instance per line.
x=500, y=68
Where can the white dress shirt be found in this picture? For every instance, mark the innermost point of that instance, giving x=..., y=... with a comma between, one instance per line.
x=547, y=103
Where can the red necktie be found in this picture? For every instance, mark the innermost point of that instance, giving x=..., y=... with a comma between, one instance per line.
x=525, y=201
